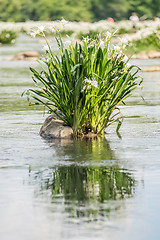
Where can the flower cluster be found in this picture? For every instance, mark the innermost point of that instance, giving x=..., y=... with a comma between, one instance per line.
x=84, y=27
x=92, y=82
x=85, y=82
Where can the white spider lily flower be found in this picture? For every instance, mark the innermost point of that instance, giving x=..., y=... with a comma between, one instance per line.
x=86, y=39
x=34, y=33
x=86, y=80
x=117, y=48
x=92, y=82
x=63, y=21
x=125, y=59
x=109, y=50
x=99, y=36
x=52, y=29
x=120, y=55
x=101, y=43
x=127, y=66
x=124, y=41
x=41, y=28
x=67, y=42
x=46, y=48
x=108, y=35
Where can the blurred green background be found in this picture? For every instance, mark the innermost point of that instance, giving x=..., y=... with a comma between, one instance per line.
x=76, y=10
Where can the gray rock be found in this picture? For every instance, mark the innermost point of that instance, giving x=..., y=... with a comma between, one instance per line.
x=152, y=69
x=154, y=54
x=55, y=128
x=145, y=55
x=140, y=55
x=29, y=55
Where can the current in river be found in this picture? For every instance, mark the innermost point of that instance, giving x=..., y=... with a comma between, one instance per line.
x=77, y=189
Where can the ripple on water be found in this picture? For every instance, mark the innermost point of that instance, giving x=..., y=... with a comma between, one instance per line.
x=78, y=189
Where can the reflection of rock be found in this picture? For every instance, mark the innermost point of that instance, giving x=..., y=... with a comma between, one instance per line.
x=29, y=55
x=97, y=149
x=145, y=55
x=151, y=69
x=55, y=128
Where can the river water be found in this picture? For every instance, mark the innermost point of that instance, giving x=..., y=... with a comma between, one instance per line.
x=77, y=189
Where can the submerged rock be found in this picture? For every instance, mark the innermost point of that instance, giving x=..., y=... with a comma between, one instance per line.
x=140, y=55
x=55, y=128
x=145, y=55
x=151, y=69
x=29, y=55
x=154, y=54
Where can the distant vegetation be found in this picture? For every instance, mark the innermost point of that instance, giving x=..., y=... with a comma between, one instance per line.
x=7, y=36
x=146, y=35
x=84, y=10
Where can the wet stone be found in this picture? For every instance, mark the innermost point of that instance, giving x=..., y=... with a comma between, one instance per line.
x=29, y=55
x=145, y=55
x=55, y=128
x=152, y=69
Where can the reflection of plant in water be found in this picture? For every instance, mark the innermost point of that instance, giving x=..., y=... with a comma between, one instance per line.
x=90, y=190
x=84, y=183
x=89, y=149
x=86, y=191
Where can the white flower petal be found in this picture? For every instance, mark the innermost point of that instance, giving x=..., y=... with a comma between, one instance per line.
x=125, y=59
x=46, y=48
x=63, y=21
x=41, y=28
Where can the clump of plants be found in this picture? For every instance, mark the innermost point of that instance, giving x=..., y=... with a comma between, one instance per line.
x=85, y=83
x=7, y=36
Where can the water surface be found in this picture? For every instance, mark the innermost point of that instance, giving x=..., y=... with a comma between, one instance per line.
x=77, y=189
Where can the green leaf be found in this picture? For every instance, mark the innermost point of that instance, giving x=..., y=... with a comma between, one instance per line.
x=119, y=125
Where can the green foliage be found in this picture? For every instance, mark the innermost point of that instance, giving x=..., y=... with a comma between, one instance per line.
x=112, y=183
x=84, y=10
x=86, y=187
x=10, y=10
x=149, y=8
x=84, y=84
x=93, y=34
x=7, y=36
x=66, y=32
x=124, y=31
x=21, y=10
x=118, y=9
x=147, y=43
